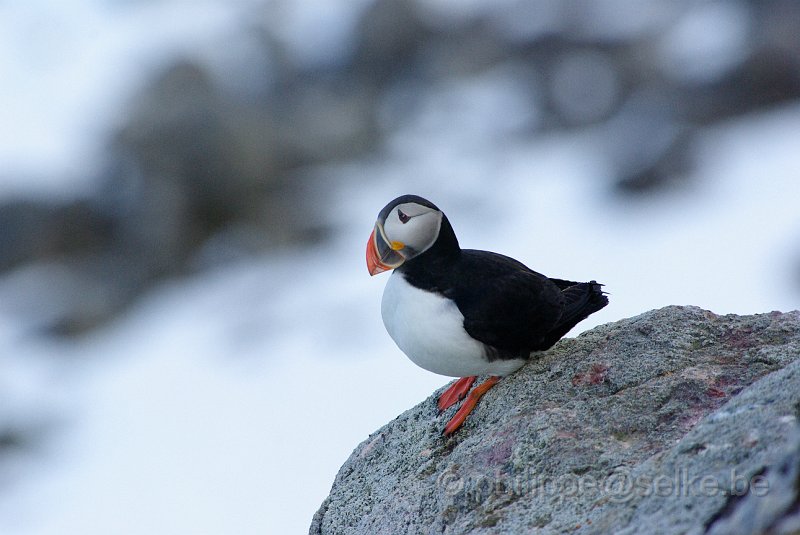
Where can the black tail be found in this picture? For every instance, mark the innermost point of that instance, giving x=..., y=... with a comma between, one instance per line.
x=581, y=299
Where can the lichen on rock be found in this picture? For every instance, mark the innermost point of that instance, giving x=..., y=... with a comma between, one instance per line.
x=674, y=421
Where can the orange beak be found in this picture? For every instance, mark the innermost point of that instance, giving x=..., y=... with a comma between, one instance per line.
x=381, y=254
x=374, y=264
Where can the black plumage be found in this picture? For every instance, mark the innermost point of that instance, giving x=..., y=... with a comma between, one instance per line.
x=510, y=308
x=462, y=312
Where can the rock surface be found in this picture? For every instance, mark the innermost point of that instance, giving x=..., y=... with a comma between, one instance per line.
x=674, y=421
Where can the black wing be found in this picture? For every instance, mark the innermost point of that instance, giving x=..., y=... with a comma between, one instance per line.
x=507, y=306
x=581, y=299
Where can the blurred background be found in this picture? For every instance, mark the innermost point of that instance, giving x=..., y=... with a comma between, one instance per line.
x=189, y=339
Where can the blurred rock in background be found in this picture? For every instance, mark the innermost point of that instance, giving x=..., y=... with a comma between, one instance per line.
x=206, y=169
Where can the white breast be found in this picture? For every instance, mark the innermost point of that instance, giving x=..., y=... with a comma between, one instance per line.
x=429, y=329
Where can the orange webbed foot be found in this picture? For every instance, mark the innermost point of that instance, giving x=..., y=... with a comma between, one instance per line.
x=472, y=400
x=456, y=392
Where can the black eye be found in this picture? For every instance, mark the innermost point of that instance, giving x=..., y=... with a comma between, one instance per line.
x=403, y=217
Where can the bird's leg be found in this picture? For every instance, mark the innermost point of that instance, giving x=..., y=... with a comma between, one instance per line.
x=456, y=392
x=472, y=400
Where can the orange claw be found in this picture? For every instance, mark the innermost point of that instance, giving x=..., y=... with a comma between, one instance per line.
x=472, y=400
x=455, y=392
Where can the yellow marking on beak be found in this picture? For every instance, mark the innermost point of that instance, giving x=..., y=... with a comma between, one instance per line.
x=397, y=245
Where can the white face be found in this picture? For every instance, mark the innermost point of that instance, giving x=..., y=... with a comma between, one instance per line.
x=414, y=226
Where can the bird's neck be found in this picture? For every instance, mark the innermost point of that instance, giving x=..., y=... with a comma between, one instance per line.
x=429, y=267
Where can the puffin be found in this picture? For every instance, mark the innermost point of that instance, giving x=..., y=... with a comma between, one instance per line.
x=466, y=313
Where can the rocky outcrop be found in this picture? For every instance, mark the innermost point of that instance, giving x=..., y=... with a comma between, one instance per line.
x=674, y=421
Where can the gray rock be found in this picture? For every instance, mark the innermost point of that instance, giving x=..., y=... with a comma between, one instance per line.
x=33, y=229
x=674, y=421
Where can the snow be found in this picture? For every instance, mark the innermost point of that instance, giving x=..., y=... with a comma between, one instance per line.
x=226, y=402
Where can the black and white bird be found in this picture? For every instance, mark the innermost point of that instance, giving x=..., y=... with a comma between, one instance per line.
x=461, y=312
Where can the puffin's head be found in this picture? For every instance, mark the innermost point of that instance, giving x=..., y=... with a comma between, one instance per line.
x=406, y=227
